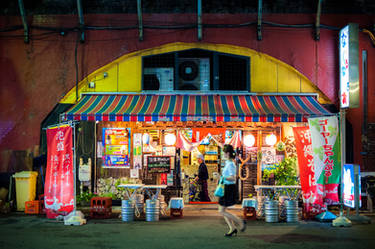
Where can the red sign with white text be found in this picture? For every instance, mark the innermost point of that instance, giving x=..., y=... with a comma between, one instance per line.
x=312, y=199
x=59, y=184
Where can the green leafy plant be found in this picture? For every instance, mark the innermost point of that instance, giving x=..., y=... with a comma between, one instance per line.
x=284, y=173
x=84, y=198
x=109, y=187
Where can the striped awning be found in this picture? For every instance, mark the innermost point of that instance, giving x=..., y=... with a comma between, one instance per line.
x=150, y=107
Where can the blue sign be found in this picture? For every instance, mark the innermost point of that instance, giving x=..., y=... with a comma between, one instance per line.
x=348, y=185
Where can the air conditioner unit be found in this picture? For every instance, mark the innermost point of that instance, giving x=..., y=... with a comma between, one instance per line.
x=194, y=74
x=158, y=78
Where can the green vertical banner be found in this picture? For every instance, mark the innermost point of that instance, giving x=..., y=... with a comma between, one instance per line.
x=325, y=142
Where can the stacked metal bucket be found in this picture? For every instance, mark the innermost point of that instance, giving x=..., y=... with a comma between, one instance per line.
x=272, y=211
x=291, y=210
x=127, y=210
x=152, y=210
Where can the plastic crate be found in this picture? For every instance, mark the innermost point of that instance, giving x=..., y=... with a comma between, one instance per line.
x=101, y=207
x=32, y=207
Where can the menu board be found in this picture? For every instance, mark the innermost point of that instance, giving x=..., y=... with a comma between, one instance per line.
x=159, y=164
x=116, y=142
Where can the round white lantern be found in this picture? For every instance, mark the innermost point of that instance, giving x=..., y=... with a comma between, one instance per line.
x=170, y=139
x=271, y=139
x=249, y=140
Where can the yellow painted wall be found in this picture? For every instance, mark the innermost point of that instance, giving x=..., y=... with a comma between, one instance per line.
x=267, y=74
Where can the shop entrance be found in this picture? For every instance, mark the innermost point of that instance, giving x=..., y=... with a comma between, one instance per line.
x=166, y=153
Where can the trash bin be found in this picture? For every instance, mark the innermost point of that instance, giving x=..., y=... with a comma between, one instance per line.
x=25, y=188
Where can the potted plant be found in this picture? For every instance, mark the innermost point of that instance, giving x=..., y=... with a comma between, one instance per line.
x=84, y=198
x=109, y=187
x=284, y=173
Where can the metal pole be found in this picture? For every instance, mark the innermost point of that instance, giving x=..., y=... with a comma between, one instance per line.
x=259, y=158
x=356, y=188
x=199, y=20
x=140, y=20
x=343, y=151
x=95, y=150
x=24, y=21
x=74, y=166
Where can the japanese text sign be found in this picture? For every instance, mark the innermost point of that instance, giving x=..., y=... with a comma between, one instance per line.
x=159, y=164
x=311, y=197
x=59, y=184
x=116, y=143
x=327, y=156
x=349, y=68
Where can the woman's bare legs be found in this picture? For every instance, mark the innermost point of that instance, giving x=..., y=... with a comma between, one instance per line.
x=231, y=219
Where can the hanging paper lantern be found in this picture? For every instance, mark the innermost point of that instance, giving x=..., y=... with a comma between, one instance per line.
x=271, y=139
x=170, y=139
x=249, y=140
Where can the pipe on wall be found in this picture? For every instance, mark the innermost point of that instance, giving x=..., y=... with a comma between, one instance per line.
x=365, y=100
x=317, y=21
x=199, y=20
x=24, y=21
x=259, y=25
x=140, y=19
x=81, y=20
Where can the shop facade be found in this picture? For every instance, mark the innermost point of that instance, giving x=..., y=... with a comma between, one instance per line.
x=153, y=135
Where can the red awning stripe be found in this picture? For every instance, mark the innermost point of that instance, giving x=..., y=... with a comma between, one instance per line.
x=148, y=107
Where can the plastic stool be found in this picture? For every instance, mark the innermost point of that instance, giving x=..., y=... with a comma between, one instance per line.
x=176, y=213
x=249, y=213
x=176, y=205
x=249, y=208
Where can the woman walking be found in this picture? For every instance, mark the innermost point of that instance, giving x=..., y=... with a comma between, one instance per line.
x=229, y=198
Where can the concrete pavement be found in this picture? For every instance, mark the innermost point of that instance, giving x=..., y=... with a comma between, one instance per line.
x=193, y=231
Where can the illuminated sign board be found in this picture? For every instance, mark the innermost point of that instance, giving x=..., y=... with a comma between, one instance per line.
x=349, y=72
x=348, y=185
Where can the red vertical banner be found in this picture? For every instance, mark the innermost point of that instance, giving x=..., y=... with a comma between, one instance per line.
x=59, y=184
x=312, y=198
